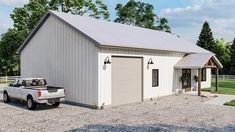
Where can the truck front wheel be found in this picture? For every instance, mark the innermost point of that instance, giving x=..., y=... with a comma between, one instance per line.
x=30, y=103
x=6, y=98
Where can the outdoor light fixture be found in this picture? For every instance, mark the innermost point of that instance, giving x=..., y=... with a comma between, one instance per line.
x=150, y=61
x=107, y=61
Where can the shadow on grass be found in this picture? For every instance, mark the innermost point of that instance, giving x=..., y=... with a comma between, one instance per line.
x=148, y=128
x=225, y=84
x=231, y=103
x=221, y=90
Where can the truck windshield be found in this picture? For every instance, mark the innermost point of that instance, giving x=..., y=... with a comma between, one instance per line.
x=34, y=82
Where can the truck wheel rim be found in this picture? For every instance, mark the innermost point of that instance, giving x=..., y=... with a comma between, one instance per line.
x=5, y=97
x=29, y=103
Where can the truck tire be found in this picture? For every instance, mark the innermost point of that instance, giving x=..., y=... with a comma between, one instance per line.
x=30, y=103
x=6, y=98
x=55, y=104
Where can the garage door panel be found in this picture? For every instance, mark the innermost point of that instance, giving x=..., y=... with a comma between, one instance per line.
x=126, y=80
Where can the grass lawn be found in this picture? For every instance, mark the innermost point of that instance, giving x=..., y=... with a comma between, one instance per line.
x=3, y=82
x=231, y=103
x=225, y=87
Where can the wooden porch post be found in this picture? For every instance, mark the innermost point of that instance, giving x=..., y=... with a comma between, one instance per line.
x=199, y=82
x=216, y=79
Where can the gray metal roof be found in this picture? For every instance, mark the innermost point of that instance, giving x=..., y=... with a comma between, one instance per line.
x=197, y=61
x=105, y=33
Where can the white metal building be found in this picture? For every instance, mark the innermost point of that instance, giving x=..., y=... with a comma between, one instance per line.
x=104, y=63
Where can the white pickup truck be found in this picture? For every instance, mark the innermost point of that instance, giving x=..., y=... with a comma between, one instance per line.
x=34, y=91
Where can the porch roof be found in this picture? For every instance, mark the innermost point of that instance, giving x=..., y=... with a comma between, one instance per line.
x=197, y=61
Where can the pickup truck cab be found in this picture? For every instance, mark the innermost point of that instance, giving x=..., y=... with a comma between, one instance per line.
x=34, y=91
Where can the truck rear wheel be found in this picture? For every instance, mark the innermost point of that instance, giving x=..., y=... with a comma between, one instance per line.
x=55, y=104
x=30, y=103
x=6, y=98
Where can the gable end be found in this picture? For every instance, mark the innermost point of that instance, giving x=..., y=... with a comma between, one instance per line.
x=42, y=21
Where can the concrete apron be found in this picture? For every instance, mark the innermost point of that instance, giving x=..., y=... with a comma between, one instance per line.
x=219, y=100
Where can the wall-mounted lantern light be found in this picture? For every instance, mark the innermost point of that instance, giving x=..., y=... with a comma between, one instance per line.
x=150, y=61
x=107, y=61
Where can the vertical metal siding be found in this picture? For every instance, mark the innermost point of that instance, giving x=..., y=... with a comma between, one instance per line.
x=204, y=84
x=207, y=83
x=193, y=83
x=164, y=61
x=65, y=58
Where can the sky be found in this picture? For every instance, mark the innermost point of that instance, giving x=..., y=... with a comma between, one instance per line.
x=185, y=16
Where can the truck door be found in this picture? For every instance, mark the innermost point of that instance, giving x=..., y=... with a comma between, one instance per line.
x=11, y=88
x=18, y=90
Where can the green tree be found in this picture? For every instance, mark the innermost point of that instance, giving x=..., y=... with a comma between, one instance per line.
x=93, y=8
x=163, y=25
x=9, y=60
x=140, y=14
x=232, y=61
x=222, y=51
x=25, y=19
x=206, y=39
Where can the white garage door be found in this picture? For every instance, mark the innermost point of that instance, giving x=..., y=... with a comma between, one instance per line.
x=126, y=80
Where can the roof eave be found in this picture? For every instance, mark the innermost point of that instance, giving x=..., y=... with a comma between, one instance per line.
x=147, y=49
x=218, y=62
x=97, y=44
x=33, y=32
x=42, y=21
x=187, y=67
x=201, y=65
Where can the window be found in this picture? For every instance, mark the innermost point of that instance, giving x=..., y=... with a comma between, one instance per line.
x=14, y=83
x=20, y=83
x=155, y=77
x=203, y=74
x=34, y=82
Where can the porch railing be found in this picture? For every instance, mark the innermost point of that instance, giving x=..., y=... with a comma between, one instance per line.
x=225, y=77
x=7, y=79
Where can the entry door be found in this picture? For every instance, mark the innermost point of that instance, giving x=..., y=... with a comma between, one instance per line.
x=126, y=80
x=186, y=73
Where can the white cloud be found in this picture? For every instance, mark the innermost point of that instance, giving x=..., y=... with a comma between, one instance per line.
x=13, y=2
x=180, y=10
x=187, y=21
x=4, y=26
x=4, y=23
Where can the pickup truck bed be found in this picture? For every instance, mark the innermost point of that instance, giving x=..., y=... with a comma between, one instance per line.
x=34, y=94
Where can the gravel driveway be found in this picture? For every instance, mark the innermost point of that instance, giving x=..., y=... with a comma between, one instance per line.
x=172, y=113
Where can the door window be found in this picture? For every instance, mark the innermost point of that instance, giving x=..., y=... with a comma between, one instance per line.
x=186, y=74
x=19, y=83
x=14, y=83
x=203, y=74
